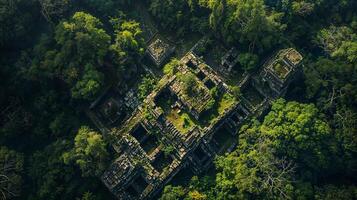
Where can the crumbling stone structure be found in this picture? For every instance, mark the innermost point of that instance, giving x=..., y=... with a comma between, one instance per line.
x=159, y=50
x=230, y=60
x=172, y=129
x=280, y=71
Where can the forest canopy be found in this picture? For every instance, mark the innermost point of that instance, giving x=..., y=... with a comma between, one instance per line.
x=60, y=57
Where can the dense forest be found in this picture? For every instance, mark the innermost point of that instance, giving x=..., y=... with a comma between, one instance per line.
x=57, y=56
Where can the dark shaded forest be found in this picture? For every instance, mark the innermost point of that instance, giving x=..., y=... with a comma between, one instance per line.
x=57, y=56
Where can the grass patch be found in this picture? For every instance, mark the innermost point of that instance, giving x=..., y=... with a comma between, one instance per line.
x=222, y=103
x=280, y=69
x=225, y=102
x=182, y=121
x=194, y=91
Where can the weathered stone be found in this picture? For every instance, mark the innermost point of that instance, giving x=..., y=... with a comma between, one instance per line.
x=160, y=139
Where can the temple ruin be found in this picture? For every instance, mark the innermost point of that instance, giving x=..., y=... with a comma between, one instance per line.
x=174, y=129
x=159, y=50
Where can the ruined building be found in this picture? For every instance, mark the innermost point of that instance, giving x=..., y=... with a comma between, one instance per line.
x=181, y=125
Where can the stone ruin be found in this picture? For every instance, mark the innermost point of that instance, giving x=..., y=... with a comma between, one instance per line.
x=159, y=50
x=169, y=133
x=230, y=60
x=280, y=71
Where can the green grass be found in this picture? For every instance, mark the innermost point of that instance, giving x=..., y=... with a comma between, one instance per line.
x=222, y=103
x=225, y=102
x=182, y=121
x=193, y=91
x=280, y=70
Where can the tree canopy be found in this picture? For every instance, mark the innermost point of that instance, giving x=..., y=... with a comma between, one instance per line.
x=59, y=57
x=89, y=152
x=247, y=22
x=11, y=170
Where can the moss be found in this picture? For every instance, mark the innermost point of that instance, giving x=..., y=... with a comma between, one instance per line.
x=225, y=102
x=171, y=67
x=167, y=149
x=236, y=91
x=221, y=103
x=146, y=86
x=280, y=70
x=182, y=121
x=194, y=91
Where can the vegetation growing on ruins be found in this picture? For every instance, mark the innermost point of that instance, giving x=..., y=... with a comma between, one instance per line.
x=78, y=81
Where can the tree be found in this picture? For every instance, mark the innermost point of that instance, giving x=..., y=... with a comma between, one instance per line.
x=247, y=22
x=89, y=152
x=345, y=124
x=88, y=196
x=332, y=83
x=52, y=9
x=248, y=61
x=254, y=172
x=171, y=14
x=171, y=67
x=89, y=85
x=146, y=86
x=292, y=142
x=189, y=84
x=299, y=132
x=172, y=193
x=180, y=16
x=51, y=178
x=81, y=45
x=15, y=15
x=339, y=42
x=129, y=43
x=331, y=192
x=302, y=8
x=82, y=40
x=11, y=169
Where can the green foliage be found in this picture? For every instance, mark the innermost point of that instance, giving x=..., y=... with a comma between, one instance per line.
x=236, y=92
x=214, y=92
x=168, y=150
x=50, y=55
x=52, y=10
x=301, y=134
x=173, y=193
x=88, y=196
x=171, y=67
x=302, y=8
x=63, y=123
x=103, y=6
x=293, y=142
x=339, y=42
x=128, y=42
x=247, y=22
x=248, y=61
x=331, y=192
x=332, y=83
x=82, y=40
x=81, y=45
x=189, y=83
x=51, y=178
x=345, y=123
x=89, y=152
x=11, y=169
x=90, y=84
x=146, y=86
x=254, y=174
x=171, y=14
x=15, y=16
